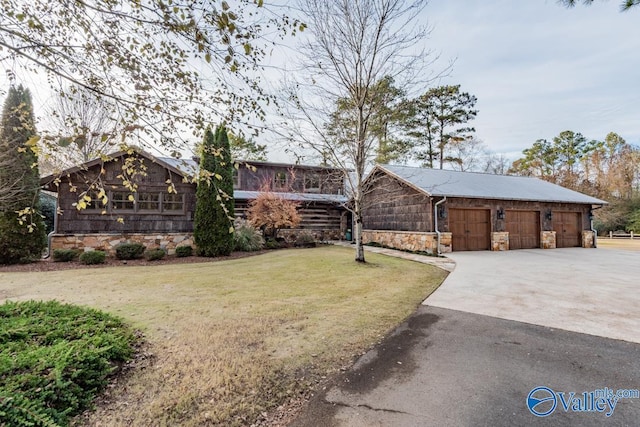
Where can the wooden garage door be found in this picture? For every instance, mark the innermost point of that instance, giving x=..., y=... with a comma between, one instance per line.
x=524, y=229
x=470, y=229
x=567, y=228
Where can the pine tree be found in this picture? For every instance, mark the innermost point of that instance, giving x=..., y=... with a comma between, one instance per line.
x=22, y=231
x=213, y=221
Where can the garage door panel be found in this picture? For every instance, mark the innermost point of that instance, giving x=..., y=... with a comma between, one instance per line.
x=524, y=229
x=470, y=229
x=568, y=229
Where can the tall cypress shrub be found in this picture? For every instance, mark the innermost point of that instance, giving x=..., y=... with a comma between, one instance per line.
x=213, y=221
x=22, y=231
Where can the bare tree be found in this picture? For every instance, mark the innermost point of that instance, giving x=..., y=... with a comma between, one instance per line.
x=82, y=127
x=354, y=45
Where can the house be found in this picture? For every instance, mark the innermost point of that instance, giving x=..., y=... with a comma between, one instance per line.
x=159, y=213
x=441, y=211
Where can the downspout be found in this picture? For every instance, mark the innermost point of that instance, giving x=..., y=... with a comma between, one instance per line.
x=435, y=221
x=595, y=233
x=55, y=229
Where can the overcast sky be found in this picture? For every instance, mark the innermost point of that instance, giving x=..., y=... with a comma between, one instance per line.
x=538, y=68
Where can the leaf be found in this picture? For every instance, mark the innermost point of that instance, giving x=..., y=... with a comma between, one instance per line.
x=207, y=57
x=131, y=198
x=247, y=48
x=32, y=141
x=231, y=230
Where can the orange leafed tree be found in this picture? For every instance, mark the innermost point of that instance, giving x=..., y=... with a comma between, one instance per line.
x=270, y=212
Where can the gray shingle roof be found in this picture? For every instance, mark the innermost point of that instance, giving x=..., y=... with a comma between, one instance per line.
x=438, y=182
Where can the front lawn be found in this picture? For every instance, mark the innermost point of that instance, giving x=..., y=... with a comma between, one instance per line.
x=234, y=339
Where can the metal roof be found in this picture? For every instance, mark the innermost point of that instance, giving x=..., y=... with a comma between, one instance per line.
x=438, y=182
x=298, y=197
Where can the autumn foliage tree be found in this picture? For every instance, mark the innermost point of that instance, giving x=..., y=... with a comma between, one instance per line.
x=270, y=212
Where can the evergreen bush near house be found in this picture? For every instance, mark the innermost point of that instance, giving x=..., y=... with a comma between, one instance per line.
x=126, y=251
x=55, y=359
x=305, y=240
x=155, y=254
x=22, y=232
x=213, y=220
x=184, y=251
x=93, y=257
x=64, y=255
x=247, y=238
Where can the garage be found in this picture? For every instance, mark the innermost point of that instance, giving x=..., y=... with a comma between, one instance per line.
x=470, y=229
x=567, y=227
x=523, y=228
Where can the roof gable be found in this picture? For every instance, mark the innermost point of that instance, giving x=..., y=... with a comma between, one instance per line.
x=438, y=182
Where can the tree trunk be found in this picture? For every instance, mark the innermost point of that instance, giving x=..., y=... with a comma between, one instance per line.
x=357, y=230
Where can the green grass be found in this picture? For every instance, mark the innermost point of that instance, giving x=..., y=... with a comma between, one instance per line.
x=235, y=338
x=54, y=359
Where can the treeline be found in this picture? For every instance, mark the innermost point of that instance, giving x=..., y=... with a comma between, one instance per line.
x=608, y=169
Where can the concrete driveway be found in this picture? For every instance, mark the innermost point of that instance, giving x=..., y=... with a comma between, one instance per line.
x=592, y=291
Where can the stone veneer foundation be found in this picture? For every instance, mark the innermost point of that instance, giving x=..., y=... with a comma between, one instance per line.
x=408, y=240
x=108, y=242
x=548, y=239
x=500, y=241
x=588, y=239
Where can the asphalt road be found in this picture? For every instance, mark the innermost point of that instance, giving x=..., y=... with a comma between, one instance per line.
x=445, y=367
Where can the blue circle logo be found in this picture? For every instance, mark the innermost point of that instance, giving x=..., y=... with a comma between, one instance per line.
x=542, y=401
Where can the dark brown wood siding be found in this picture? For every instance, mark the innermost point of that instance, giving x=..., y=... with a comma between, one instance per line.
x=257, y=176
x=99, y=219
x=523, y=228
x=391, y=205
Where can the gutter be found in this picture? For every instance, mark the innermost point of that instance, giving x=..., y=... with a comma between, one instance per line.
x=435, y=220
x=595, y=233
x=54, y=231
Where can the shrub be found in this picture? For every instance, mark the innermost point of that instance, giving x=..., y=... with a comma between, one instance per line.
x=129, y=251
x=56, y=358
x=272, y=244
x=155, y=254
x=93, y=257
x=270, y=212
x=305, y=240
x=184, y=251
x=247, y=237
x=64, y=255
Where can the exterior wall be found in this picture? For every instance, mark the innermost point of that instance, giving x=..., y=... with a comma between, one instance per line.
x=588, y=239
x=500, y=241
x=93, y=220
x=391, y=205
x=256, y=176
x=108, y=242
x=409, y=240
x=548, y=239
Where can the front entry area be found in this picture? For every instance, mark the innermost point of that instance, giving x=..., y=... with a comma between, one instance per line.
x=524, y=229
x=470, y=229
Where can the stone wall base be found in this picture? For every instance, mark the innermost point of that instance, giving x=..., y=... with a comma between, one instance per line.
x=108, y=242
x=548, y=239
x=409, y=240
x=588, y=239
x=500, y=241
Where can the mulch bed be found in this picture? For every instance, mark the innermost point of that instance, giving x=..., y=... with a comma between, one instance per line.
x=50, y=265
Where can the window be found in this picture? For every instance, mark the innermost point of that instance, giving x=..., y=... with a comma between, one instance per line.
x=172, y=202
x=122, y=201
x=95, y=204
x=280, y=179
x=311, y=182
x=149, y=202
x=236, y=179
